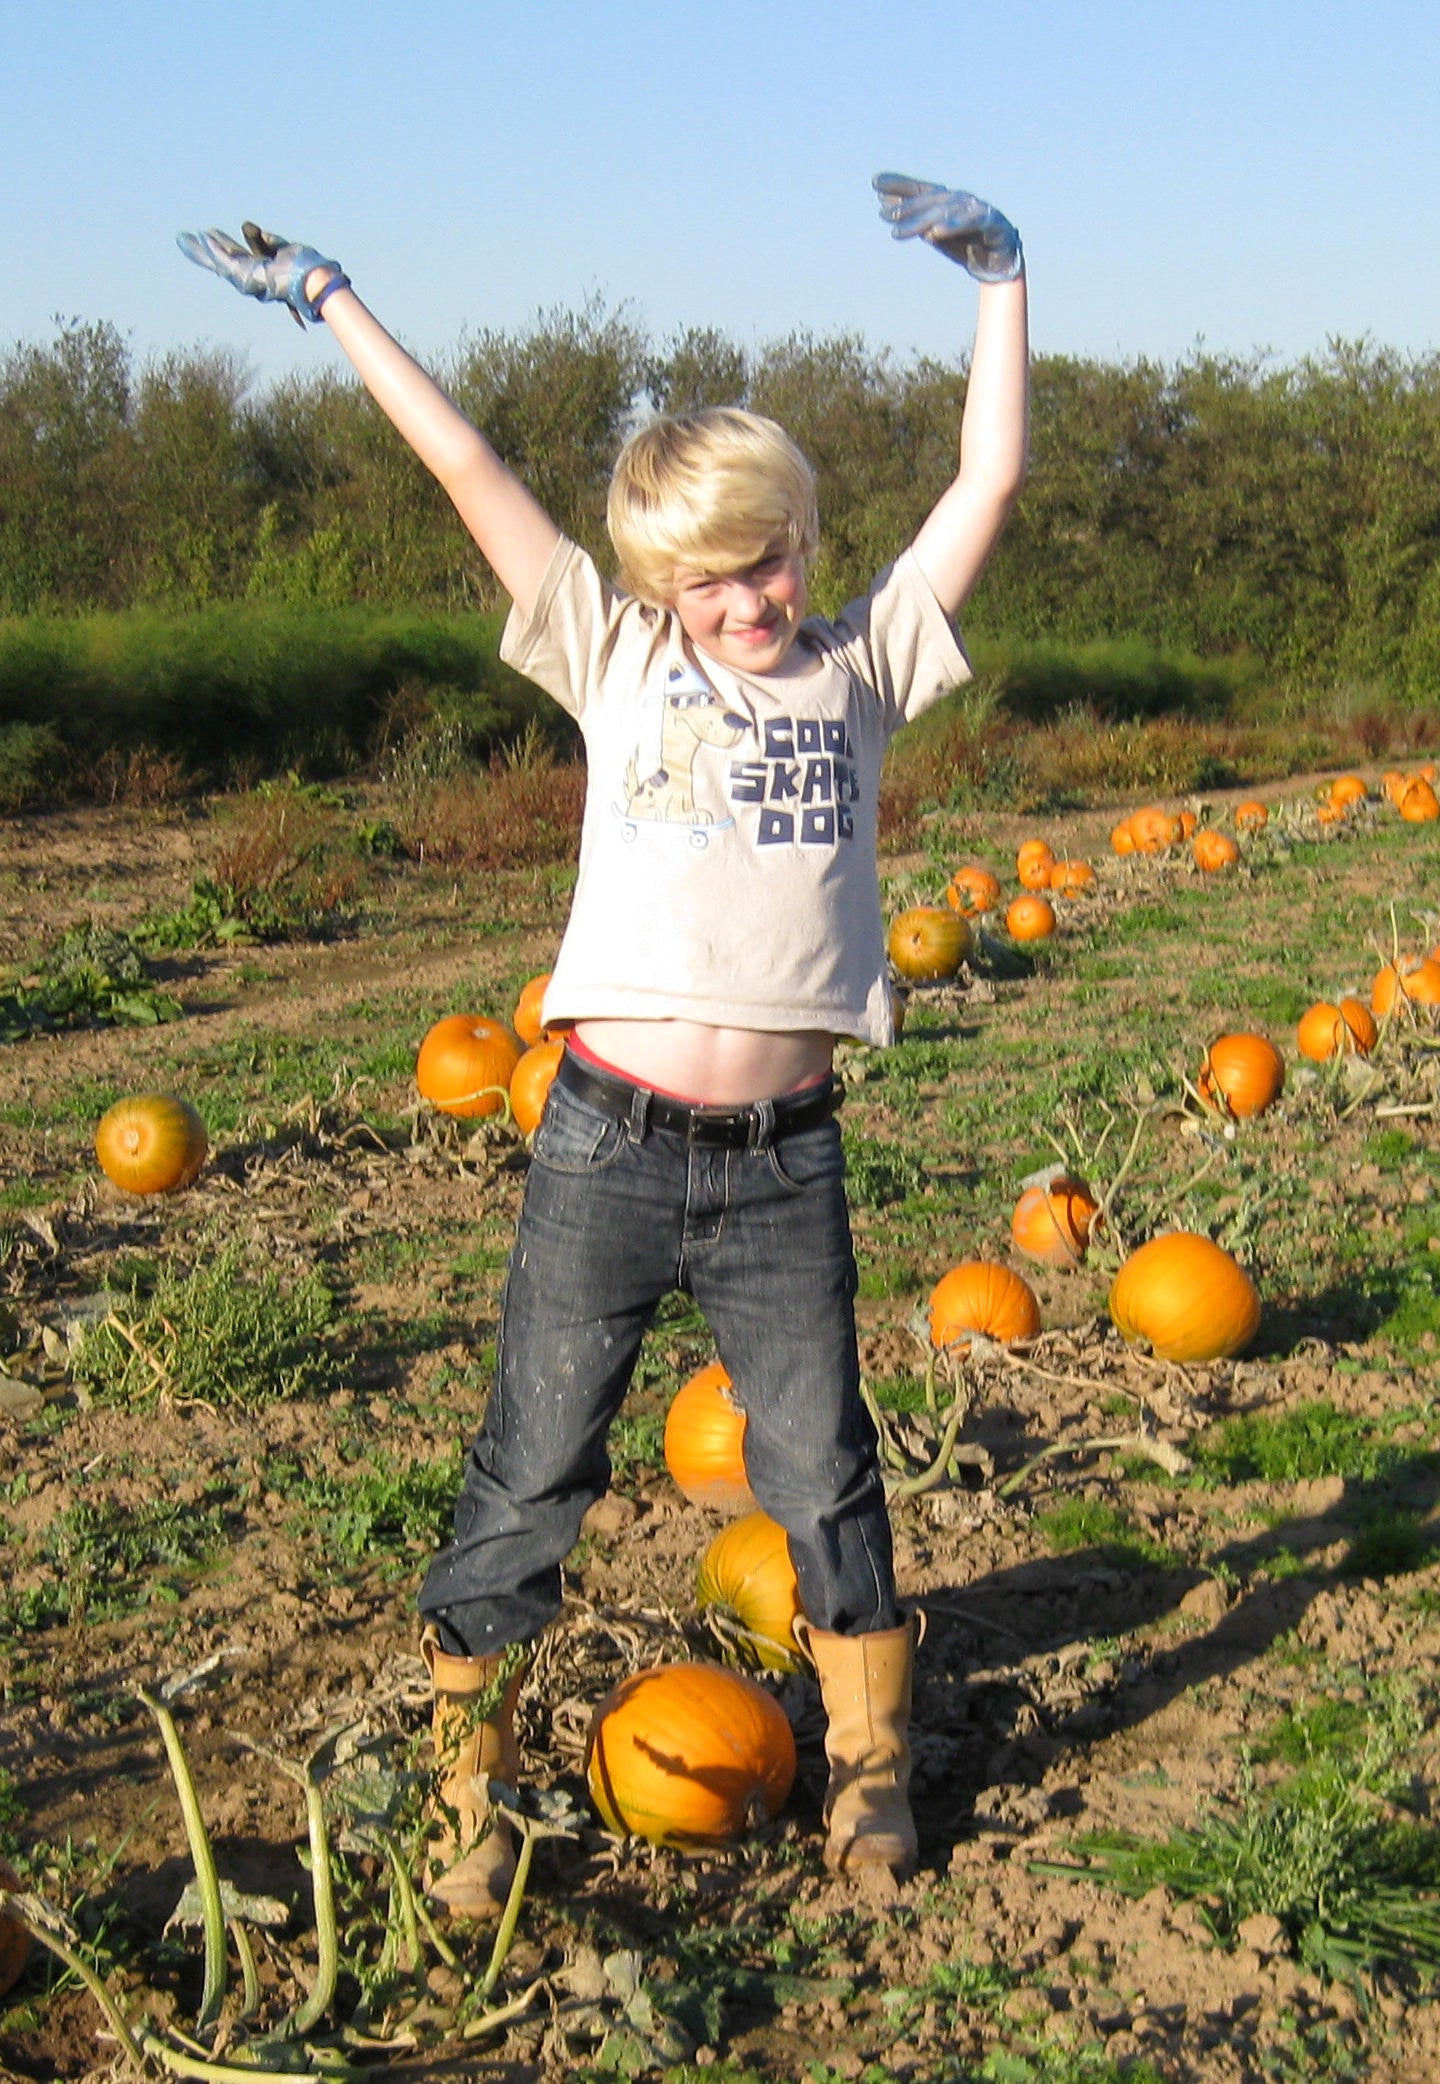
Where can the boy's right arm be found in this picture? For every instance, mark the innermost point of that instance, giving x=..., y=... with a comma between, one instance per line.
x=514, y=533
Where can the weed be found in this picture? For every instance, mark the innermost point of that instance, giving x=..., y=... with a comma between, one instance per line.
x=1087, y=1523
x=221, y=1331
x=91, y=977
x=104, y=1559
x=877, y=1174
x=1312, y=1440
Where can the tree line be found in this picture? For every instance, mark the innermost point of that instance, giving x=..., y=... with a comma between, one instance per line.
x=1223, y=506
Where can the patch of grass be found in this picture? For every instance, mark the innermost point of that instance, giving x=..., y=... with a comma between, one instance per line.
x=1357, y=1892
x=877, y=1174
x=379, y=1510
x=220, y=1331
x=105, y=1559
x=1089, y=1523
x=1312, y=1440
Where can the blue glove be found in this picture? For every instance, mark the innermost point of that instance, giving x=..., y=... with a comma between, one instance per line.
x=966, y=230
x=266, y=266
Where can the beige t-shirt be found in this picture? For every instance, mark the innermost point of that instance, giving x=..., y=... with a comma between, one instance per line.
x=727, y=859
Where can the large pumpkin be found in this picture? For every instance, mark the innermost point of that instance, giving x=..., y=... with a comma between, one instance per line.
x=1122, y=837
x=1419, y=804
x=1185, y=1298
x=1154, y=829
x=928, y=943
x=747, y=1573
x=530, y=1083
x=1348, y=789
x=705, y=1443
x=982, y=1297
x=1242, y=1074
x=690, y=1755
x=151, y=1143
x=14, y=1937
x=1214, y=850
x=1052, y=1223
x=466, y=1063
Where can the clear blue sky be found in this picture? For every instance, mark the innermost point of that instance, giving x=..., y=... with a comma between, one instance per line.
x=1246, y=174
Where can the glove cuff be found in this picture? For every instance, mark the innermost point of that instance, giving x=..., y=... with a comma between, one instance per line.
x=317, y=306
x=301, y=265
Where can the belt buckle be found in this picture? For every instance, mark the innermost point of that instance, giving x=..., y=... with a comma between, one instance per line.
x=720, y=1128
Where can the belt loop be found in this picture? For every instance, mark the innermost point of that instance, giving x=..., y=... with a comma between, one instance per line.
x=639, y=1114
x=762, y=1125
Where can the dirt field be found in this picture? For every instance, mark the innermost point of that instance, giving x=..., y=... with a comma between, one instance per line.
x=1112, y=1683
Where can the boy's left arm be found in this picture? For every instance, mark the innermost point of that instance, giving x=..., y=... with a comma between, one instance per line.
x=964, y=525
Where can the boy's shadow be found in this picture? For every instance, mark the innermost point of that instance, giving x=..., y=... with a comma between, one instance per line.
x=1006, y=1655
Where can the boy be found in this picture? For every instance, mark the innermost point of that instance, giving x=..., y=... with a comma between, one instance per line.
x=725, y=930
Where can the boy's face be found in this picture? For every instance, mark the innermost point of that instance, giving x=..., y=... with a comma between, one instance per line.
x=746, y=620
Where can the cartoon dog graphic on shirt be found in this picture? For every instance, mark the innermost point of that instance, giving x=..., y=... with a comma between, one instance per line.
x=692, y=715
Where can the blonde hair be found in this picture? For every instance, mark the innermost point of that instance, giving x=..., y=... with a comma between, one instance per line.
x=715, y=490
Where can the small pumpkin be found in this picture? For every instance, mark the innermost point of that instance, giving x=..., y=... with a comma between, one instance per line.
x=530, y=1082
x=465, y=1064
x=1186, y=1298
x=747, y=1574
x=1187, y=822
x=689, y=1755
x=973, y=890
x=1414, y=979
x=928, y=943
x=1392, y=784
x=705, y=1442
x=1122, y=838
x=14, y=1937
x=1348, y=789
x=979, y=1296
x=1419, y=805
x=151, y=1143
x=1030, y=918
x=1251, y=816
x=1327, y=1030
x=1332, y=813
x=1033, y=864
x=1214, y=851
x=1052, y=1222
x=1242, y=1074
x=1072, y=878
x=526, y=1020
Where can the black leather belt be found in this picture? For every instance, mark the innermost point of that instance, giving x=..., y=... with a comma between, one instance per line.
x=715, y=1128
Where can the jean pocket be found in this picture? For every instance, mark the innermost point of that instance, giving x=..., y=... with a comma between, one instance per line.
x=810, y=1160
x=575, y=1137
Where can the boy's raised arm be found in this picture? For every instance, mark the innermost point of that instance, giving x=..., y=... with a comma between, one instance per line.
x=514, y=533
x=964, y=525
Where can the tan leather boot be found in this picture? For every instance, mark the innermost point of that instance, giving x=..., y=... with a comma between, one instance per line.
x=472, y=1849
x=865, y=1687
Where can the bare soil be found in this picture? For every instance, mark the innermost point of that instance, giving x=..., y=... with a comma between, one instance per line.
x=1055, y=1695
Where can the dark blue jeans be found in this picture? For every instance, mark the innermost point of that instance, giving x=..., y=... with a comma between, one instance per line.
x=617, y=1214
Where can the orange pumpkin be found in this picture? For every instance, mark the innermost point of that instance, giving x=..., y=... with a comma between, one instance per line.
x=1411, y=978
x=1393, y=784
x=466, y=1063
x=1072, y=878
x=979, y=1296
x=151, y=1143
x=1214, y=850
x=1419, y=805
x=689, y=1754
x=1033, y=864
x=1242, y=1074
x=530, y=1082
x=14, y=1937
x=1251, y=816
x=705, y=1443
x=928, y=943
x=973, y=890
x=1186, y=1298
x=1154, y=829
x=1030, y=918
x=1343, y=1030
x=1187, y=822
x=1347, y=789
x=1052, y=1223
x=526, y=1021
x=1332, y=813
x=1122, y=838
x=746, y=1573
